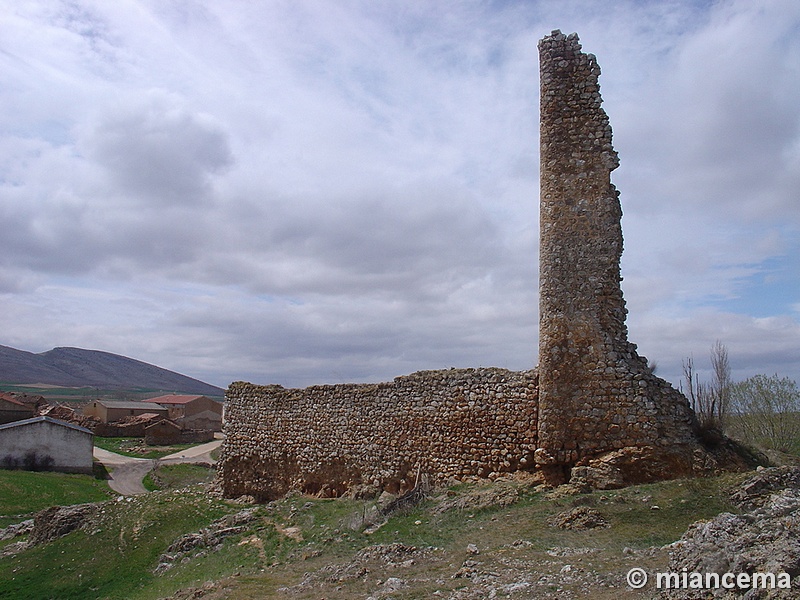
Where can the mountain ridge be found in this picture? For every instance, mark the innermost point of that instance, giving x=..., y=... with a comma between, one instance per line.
x=78, y=367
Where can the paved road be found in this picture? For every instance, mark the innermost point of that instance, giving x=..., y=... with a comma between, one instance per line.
x=127, y=472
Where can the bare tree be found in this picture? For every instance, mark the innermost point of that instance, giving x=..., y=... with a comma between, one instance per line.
x=721, y=386
x=690, y=377
x=701, y=401
x=710, y=401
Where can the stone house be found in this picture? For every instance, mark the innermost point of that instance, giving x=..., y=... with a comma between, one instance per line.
x=167, y=432
x=109, y=411
x=46, y=444
x=11, y=409
x=191, y=412
x=163, y=433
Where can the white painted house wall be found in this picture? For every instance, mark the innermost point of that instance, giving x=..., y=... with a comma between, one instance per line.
x=57, y=445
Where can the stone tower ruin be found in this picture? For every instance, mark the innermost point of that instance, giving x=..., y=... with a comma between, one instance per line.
x=593, y=411
x=596, y=394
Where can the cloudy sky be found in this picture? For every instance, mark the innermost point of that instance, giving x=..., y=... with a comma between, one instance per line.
x=302, y=191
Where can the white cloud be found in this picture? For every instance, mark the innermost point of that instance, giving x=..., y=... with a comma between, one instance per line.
x=159, y=151
x=303, y=192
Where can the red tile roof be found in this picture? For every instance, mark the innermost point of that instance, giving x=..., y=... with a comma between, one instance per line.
x=10, y=398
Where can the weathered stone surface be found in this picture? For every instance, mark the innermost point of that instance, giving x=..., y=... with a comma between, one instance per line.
x=758, y=490
x=326, y=440
x=594, y=407
x=57, y=521
x=16, y=530
x=47, y=525
x=635, y=465
x=596, y=394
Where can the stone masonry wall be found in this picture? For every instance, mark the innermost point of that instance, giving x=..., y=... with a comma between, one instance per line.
x=596, y=393
x=594, y=412
x=328, y=439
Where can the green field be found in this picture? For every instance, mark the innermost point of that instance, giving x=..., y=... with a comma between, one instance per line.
x=86, y=394
x=137, y=448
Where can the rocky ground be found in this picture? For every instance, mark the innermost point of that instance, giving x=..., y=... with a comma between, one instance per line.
x=764, y=537
x=501, y=544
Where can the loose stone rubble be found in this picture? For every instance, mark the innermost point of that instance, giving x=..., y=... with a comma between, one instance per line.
x=579, y=518
x=765, y=539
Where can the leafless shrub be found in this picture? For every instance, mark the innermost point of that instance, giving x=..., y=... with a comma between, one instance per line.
x=710, y=400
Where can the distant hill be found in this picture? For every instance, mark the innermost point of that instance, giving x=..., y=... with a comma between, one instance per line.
x=75, y=367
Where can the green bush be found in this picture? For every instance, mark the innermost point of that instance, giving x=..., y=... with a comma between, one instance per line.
x=766, y=411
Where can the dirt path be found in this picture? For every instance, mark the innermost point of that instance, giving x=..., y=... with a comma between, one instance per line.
x=201, y=453
x=127, y=473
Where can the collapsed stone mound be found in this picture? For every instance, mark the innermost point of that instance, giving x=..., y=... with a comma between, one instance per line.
x=579, y=518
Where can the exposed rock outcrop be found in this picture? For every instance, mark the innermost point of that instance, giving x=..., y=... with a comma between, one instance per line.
x=50, y=524
x=765, y=539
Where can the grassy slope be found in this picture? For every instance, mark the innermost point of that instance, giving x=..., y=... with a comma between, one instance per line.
x=170, y=477
x=115, y=558
x=23, y=493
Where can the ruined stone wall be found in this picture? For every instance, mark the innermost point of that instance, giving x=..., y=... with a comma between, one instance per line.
x=596, y=393
x=595, y=411
x=326, y=440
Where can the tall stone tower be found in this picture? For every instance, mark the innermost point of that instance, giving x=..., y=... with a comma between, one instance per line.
x=596, y=394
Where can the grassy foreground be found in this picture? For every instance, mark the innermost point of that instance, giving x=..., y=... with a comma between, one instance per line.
x=288, y=541
x=22, y=493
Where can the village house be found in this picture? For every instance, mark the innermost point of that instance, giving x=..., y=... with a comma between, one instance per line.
x=166, y=432
x=109, y=411
x=192, y=412
x=12, y=409
x=46, y=444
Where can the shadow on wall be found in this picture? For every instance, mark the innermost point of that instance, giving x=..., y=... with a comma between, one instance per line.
x=31, y=461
